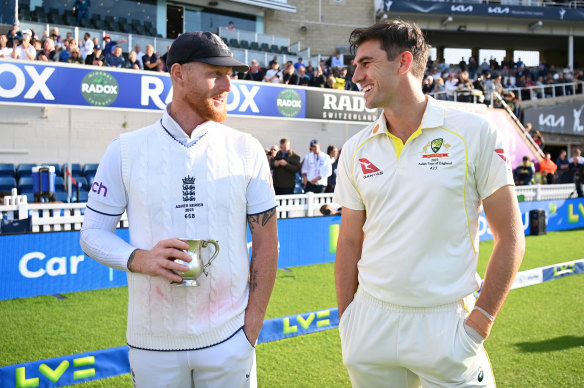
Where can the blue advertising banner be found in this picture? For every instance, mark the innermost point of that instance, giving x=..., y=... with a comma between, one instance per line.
x=474, y=9
x=51, y=263
x=100, y=364
x=88, y=86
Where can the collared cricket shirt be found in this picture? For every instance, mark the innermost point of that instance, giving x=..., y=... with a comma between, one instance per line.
x=422, y=200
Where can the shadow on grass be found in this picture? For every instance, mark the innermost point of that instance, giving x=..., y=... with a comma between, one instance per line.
x=550, y=345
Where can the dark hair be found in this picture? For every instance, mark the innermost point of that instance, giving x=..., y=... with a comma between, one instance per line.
x=284, y=140
x=330, y=148
x=396, y=36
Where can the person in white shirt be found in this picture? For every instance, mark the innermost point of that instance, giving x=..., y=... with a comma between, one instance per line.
x=316, y=168
x=451, y=86
x=187, y=176
x=412, y=186
x=25, y=50
x=86, y=47
x=139, y=53
x=5, y=51
x=274, y=74
x=337, y=61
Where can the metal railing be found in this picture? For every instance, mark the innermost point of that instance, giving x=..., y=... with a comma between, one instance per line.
x=54, y=217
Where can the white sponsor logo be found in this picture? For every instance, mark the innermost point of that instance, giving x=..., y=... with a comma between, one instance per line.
x=152, y=89
x=578, y=127
x=55, y=266
x=498, y=10
x=240, y=90
x=345, y=103
x=551, y=120
x=39, y=82
x=461, y=8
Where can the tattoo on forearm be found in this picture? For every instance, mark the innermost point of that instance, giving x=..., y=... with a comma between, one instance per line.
x=253, y=274
x=254, y=220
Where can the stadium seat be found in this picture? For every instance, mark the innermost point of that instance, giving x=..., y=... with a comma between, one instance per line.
x=234, y=43
x=29, y=195
x=244, y=44
x=55, y=18
x=274, y=48
x=284, y=50
x=89, y=168
x=254, y=46
x=24, y=169
x=61, y=196
x=7, y=183
x=59, y=183
x=24, y=184
x=75, y=169
x=265, y=47
x=83, y=196
x=81, y=180
x=7, y=169
x=24, y=13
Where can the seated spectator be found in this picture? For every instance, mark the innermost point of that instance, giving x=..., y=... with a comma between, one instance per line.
x=289, y=76
x=275, y=59
x=13, y=34
x=318, y=79
x=230, y=26
x=450, y=86
x=75, y=56
x=439, y=89
x=577, y=170
x=110, y=45
x=65, y=51
x=428, y=84
x=331, y=209
x=151, y=60
x=255, y=72
x=547, y=169
x=133, y=62
x=303, y=79
x=25, y=50
x=86, y=46
x=538, y=139
x=54, y=35
x=330, y=81
x=463, y=87
x=5, y=51
x=48, y=53
x=273, y=74
x=96, y=58
x=298, y=64
x=139, y=54
x=116, y=59
x=163, y=59
x=563, y=164
x=524, y=172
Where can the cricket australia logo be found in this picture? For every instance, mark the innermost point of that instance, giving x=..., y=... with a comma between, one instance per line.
x=188, y=189
x=435, y=146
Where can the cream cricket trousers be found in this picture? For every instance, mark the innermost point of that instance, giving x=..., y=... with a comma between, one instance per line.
x=385, y=345
x=228, y=364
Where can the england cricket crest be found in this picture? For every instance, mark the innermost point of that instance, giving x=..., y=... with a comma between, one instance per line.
x=436, y=144
x=188, y=188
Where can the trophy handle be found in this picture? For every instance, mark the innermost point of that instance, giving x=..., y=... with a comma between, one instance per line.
x=216, y=245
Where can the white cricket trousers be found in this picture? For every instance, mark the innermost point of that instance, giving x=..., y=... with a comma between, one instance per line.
x=386, y=345
x=228, y=364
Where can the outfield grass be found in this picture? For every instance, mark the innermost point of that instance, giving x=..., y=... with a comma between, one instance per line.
x=537, y=340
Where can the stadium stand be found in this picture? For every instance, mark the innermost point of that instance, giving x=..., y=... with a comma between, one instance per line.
x=7, y=169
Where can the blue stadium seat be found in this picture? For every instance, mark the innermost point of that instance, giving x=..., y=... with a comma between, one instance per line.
x=7, y=169
x=29, y=195
x=89, y=169
x=81, y=179
x=7, y=183
x=90, y=179
x=25, y=184
x=75, y=169
x=24, y=169
x=83, y=196
x=61, y=196
x=59, y=183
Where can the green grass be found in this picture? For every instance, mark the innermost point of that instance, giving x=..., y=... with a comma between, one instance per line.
x=537, y=341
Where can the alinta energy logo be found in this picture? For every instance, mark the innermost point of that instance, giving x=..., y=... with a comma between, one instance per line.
x=99, y=88
x=289, y=103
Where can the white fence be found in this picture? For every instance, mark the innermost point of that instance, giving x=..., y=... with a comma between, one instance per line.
x=54, y=217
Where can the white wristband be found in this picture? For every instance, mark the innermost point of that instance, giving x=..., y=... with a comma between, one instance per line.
x=485, y=313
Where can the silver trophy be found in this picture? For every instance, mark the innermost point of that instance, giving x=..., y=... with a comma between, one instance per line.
x=196, y=266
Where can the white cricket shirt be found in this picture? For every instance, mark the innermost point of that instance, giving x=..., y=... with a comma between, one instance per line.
x=422, y=202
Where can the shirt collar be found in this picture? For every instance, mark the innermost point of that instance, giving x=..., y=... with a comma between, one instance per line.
x=175, y=130
x=433, y=117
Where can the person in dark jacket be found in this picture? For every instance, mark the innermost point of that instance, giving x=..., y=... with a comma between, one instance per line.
x=286, y=164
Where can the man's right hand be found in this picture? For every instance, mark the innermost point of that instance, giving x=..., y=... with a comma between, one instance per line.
x=159, y=261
